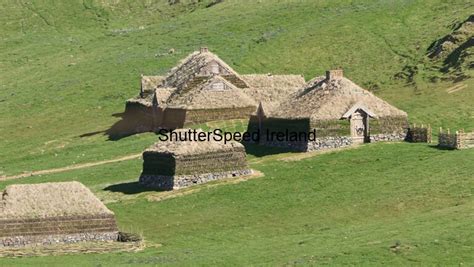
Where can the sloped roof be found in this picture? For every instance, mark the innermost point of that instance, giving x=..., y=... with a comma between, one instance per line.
x=162, y=94
x=189, y=67
x=46, y=200
x=270, y=90
x=328, y=99
x=151, y=82
x=204, y=97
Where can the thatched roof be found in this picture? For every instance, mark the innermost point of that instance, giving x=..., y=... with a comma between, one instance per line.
x=270, y=89
x=151, y=82
x=211, y=93
x=192, y=147
x=162, y=95
x=328, y=98
x=197, y=64
x=46, y=200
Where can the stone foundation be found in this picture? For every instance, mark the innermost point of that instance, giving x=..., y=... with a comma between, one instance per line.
x=176, y=182
x=318, y=144
x=41, y=240
x=329, y=143
x=393, y=137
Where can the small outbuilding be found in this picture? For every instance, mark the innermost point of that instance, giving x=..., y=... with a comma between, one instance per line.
x=183, y=161
x=50, y=213
x=334, y=111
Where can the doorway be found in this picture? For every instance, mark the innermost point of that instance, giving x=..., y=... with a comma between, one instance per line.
x=359, y=127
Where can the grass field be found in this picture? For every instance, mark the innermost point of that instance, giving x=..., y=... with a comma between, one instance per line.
x=67, y=67
x=347, y=207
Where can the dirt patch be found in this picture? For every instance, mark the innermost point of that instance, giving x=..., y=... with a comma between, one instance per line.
x=69, y=168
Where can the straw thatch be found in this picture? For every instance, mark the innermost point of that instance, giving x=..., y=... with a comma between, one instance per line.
x=201, y=63
x=47, y=200
x=162, y=95
x=270, y=90
x=325, y=98
x=211, y=93
x=151, y=82
x=192, y=147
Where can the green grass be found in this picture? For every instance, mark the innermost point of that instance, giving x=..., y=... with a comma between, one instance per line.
x=345, y=207
x=67, y=67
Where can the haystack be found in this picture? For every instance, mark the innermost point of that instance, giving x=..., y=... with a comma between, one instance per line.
x=181, y=163
x=48, y=213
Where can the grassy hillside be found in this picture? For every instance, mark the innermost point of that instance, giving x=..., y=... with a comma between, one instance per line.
x=337, y=208
x=67, y=67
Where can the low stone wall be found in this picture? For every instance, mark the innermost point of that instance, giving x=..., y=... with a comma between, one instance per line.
x=318, y=144
x=56, y=230
x=163, y=182
x=41, y=240
x=457, y=140
x=419, y=134
x=329, y=143
x=388, y=137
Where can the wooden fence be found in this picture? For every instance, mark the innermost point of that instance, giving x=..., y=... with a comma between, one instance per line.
x=457, y=140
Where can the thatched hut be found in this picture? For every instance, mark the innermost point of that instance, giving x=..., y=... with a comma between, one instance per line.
x=202, y=88
x=183, y=160
x=49, y=213
x=337, y=110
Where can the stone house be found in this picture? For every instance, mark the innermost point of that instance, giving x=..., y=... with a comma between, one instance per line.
x=178, y=163
x=202, y=88
x=50, y=213
x=337, y=110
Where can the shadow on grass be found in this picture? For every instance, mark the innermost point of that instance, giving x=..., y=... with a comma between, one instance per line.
x=129, y=188
x=261, y=151
x=130, y=123
x=440, y=147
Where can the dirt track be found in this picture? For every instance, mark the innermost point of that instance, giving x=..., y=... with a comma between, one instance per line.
x=71, y=167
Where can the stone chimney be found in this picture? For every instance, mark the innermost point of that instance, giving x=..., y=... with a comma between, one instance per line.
x=204, y=49
x=334, y=74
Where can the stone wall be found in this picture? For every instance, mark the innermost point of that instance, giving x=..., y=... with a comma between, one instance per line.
x=57, y=230
x=318, y=144
x=181, y=181
x=388, y=137
x=329, y=143
x=42, y=240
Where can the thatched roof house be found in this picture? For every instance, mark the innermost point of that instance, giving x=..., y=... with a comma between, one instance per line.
x=330, y=98
x=183, y=160
x=338, y=109
x=201, y=88
x=51, y=213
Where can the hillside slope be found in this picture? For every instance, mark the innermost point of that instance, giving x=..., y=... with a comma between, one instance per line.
x=67, y=68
